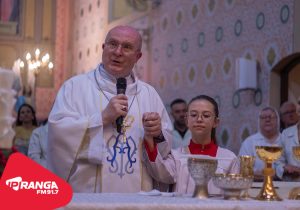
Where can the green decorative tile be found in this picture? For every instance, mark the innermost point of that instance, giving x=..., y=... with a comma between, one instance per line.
x=162, y=82
x=238, y=27
x=184, y=45
x=208, y=71
x=179, y=17
x=227, y=66
x=245, y=134
x=192, y=74
x=194, y=11
x=260, y=21
x=219, y=34
x=201, y=39
x=284, y=14
x=211, y=5
x=176, y=78
x=271, y=56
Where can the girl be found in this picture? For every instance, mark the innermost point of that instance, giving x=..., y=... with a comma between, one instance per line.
x=202, y=120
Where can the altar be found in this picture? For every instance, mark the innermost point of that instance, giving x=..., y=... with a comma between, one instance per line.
x=165, y=201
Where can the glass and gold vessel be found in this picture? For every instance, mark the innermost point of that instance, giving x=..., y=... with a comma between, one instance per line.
x=295, y=192
x=268, y=154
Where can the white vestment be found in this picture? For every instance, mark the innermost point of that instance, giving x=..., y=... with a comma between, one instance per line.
x=290, y=139
x=37, y=149
x=178, y=141
x=93, y=157
x=227, y=163
x=248, y=148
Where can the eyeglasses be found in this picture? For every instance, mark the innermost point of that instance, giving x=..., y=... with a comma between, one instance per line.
x=205, y=116
x=265, y=117
x=126, y=47
x=289, y=112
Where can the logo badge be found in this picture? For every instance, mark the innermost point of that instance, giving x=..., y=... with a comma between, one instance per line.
x=32, y=186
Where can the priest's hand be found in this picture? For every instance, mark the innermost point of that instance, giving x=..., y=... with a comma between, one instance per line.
x=117, y=106
x=152, y=127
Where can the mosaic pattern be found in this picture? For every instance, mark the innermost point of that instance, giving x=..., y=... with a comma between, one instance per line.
x=201, y=39
x=191, y=75
x=219, y=34
x=272, y=55
x=208, y=71
x=164, y=24
x=238, y=27
x=176, y=79
x=170, y=50
x=179, y=18
x=260, y=21
x=229, y=4
x=227, y=66
x=210, y=7
x=284, y=14
x=194, y=11
x=162, y=81
x=184, y=45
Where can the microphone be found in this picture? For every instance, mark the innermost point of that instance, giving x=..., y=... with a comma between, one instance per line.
x=121, y=89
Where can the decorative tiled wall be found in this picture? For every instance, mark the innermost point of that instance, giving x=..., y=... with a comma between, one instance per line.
x=195, y=45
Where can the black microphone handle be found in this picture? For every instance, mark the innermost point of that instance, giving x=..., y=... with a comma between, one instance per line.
x=121, y=89
x=119, y=123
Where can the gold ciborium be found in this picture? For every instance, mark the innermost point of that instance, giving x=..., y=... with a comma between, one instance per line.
x=201, y=171
x=268, y=154
x=295, y=192
x=246, y=170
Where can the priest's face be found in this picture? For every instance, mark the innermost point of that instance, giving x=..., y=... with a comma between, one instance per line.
x=121, y=50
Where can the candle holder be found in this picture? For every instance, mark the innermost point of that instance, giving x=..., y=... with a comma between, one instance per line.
x=268, y=154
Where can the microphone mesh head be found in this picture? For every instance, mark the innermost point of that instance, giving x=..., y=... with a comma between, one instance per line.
x=121, y=83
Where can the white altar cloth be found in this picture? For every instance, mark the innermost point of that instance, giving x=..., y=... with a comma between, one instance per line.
x=118, y=201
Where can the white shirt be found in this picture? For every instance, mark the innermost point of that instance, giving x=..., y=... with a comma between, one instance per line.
x=290, y=138
x=37, y=150
x=178, y=141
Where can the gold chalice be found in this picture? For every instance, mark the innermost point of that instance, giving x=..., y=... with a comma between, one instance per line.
x=268, y=154
x=201, y=171
x=246, y=170
x=295, y=192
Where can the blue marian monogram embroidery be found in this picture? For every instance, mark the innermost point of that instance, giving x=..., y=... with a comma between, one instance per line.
x=121, y=155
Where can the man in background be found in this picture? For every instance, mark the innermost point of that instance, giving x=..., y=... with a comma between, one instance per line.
x=288, y=114
x=181, y=134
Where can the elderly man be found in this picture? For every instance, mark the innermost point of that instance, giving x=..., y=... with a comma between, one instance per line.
x=288, y=114
x=85, y=147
